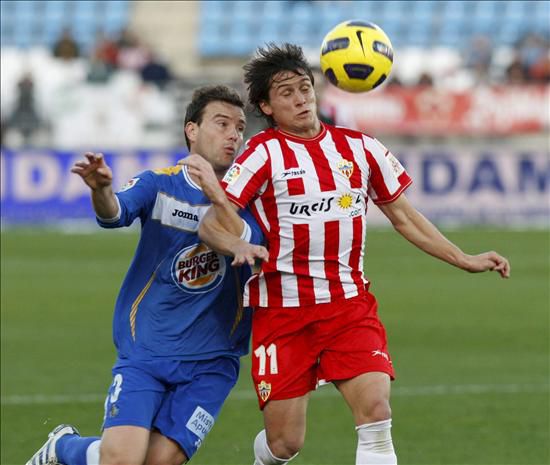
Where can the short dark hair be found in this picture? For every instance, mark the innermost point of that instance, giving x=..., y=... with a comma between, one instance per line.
x=259, y=72
x=203, y=96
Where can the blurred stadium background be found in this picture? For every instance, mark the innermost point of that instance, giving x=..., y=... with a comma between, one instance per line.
x=467, y=110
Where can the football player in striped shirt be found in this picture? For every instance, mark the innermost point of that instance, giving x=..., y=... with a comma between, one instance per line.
x=179, y=323
x=308, y=185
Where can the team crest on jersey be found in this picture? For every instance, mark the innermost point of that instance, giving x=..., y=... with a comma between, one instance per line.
x=233, y=174
x=131, y=183
x=345, y=167
x=197, y=269
x=264, y=390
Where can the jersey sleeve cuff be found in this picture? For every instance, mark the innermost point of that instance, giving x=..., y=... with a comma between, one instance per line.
x=395, y=195
x=247, y=232
x=115, y=219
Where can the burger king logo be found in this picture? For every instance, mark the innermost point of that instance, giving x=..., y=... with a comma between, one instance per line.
x=198, y=269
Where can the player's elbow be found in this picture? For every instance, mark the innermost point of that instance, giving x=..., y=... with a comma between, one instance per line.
x=207, y=229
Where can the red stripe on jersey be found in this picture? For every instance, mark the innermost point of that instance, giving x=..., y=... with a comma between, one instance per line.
x=295, y=185
x=300, y=263
x=376, y=177
x=272, y=276
x=332, y=267
x=355, y=255
x=342, y=145
x=322, y=167
x=254, y=290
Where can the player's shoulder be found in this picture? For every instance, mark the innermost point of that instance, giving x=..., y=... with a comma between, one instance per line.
x=347, y=131
x=153, y=177
x=167, y=171
x=370, y=143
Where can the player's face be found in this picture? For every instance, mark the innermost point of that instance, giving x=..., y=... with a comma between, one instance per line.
x=219, y=136
x=292, y=104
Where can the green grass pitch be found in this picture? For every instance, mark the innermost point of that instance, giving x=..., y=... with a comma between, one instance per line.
x=470, y=351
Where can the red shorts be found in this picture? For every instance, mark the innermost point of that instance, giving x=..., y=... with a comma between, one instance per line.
x=296, y=347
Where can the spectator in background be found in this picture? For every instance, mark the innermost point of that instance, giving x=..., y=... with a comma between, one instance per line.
x=515, y=73
x=25, y=119
x=156, y=71
x=540, y=71
x=425, y=80
x=532, y=50
x=103, y=60
x=99, y=72
x=479, y=57
x=132, y=55
x=106, y=50
x=66, y=47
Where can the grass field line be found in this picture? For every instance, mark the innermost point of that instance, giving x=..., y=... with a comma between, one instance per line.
x=412, y=391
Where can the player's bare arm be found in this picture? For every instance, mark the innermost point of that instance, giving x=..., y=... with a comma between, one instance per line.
x=414, y=227
x=219, y=239
x=99, y=178
x=203, y=173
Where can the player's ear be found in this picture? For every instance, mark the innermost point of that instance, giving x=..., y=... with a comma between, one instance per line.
x=266, y=108
x=192, y=131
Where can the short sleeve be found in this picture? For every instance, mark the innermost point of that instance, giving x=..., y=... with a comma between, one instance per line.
x=136, y=198
x=388, y=178
x=247, y=175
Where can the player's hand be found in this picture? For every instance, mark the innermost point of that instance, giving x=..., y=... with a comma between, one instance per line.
x=245, y=252
x=203, y=171
x=94, y=171
x=488, y=261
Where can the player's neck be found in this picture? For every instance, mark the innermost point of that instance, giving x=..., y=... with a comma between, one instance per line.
x=309, y=133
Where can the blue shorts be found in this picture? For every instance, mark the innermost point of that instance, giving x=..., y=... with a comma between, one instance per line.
x=180, y=399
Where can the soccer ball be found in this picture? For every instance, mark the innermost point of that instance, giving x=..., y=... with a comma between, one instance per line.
x=356, y=56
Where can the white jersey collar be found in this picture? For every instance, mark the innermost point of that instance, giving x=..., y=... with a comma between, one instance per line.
x=189, y=180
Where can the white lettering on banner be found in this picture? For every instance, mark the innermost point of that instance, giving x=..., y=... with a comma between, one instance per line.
x=501, y=109
x=73, y=188
x=488, y=187
x=36, y=176
x=483, y=110
x=450, y=186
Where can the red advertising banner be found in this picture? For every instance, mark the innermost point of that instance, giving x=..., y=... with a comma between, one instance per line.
x=494, y=110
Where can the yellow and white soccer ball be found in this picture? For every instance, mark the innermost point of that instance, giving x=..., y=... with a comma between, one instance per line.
x=356, y=56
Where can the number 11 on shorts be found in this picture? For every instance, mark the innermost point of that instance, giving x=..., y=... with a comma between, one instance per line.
x=271, y=352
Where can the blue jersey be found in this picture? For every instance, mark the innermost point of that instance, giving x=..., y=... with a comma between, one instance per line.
x=179, y=300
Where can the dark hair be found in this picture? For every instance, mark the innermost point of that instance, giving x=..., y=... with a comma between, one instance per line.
x=259, y=72
x=203, y=96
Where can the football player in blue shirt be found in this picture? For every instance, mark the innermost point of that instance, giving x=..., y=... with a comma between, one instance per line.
x=179, y=326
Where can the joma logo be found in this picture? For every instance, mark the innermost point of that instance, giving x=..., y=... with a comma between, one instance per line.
x=186, y=215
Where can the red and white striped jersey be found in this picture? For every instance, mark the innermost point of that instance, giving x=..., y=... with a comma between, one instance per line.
x=310, y=197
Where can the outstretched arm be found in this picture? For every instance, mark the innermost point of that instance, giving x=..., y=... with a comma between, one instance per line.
x=219, y=239
x=222, y=227
x=99, y=178
x=414, y=227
